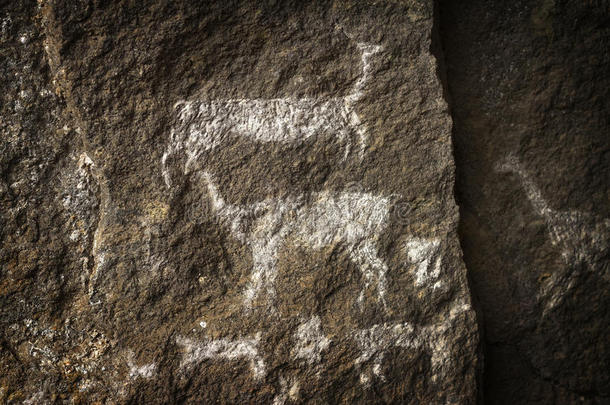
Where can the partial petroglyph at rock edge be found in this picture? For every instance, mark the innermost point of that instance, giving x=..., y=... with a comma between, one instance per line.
x=582, y=238
x=425, y=254
x=374, y=342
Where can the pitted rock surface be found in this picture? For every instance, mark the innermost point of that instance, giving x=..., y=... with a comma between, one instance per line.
x=230, y=202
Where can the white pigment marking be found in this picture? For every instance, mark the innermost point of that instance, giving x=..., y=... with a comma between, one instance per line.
x=355, y=220
x=286, y=393
x=424, y=252
x=83, y=179
x=98, y=250
x=310, y=341
x=80, y=199
x=375, y=341
x=583, y=239
x=247, y=348
x=205, y=125
x=146, y=371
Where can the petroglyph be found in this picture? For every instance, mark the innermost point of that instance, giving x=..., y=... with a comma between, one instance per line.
x=145, y=371
x=582, y=238
x=355, y=220
x=425, y=252
x=376, y=340
x=287, y=394
x=79, y=196
x=85, y=199
x=310, y=341
x=203, y=126
x=247, y=348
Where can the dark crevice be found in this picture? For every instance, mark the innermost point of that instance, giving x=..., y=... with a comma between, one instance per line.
x=436, y=48
x=515, y=76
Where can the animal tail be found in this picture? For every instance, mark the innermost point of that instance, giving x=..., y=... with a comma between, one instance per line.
x=218, y=203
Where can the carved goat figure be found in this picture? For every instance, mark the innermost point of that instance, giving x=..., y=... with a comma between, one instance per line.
x=202, y=126
x=354, y=220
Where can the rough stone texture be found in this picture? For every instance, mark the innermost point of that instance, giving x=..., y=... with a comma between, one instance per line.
x=529, y=96
x=238, y=202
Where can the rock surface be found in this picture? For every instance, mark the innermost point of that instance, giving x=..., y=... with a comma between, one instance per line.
x=228, y=202
x=529, y=97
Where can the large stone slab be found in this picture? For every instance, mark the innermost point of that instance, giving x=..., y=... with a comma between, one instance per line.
x=261, y=205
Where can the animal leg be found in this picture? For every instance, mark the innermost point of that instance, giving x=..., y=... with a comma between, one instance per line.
x=164, y=168
x=359, y=131
x=197, y=143
x=264, y=270
x=371, y=266
x=346, y=140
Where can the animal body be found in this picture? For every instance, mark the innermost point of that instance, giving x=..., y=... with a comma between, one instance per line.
x=354, y=220
x=376, y=341
x=203, y=126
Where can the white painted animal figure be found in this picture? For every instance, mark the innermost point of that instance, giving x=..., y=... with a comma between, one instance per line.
x=354, y=220
x=203, y=126
x=374, y=342
x=224, y=349
x=583, y=238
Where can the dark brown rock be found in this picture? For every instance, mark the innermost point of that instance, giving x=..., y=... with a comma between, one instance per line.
x=529, y=88
x=239, y=202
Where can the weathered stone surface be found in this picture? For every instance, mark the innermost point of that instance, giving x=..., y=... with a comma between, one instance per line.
x=229, y=202
x=529, y=87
